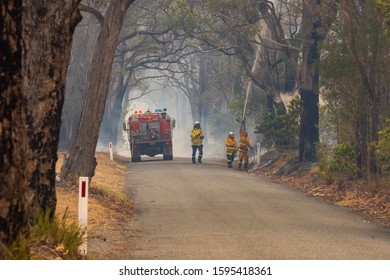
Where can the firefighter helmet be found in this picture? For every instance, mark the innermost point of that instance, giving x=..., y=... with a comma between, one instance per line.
x=196, y=124
x=231, y=134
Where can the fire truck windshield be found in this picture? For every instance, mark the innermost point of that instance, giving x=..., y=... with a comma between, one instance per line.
x=148, y=127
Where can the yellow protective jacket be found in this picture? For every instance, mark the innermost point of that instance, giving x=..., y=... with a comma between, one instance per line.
x=244, y=142
x=231, y=145
x=197, y=137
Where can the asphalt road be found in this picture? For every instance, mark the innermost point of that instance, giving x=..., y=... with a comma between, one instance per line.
x=209, y=212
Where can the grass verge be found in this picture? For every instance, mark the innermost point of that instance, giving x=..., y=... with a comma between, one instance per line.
x=108, y=204
x=47, y=239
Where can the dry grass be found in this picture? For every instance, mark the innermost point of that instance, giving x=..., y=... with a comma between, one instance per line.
x=108, y=203
x=107, y=190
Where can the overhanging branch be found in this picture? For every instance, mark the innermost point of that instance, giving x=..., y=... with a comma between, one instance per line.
x=96, y=13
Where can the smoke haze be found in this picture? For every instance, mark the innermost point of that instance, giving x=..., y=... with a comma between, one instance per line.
x=178, y=108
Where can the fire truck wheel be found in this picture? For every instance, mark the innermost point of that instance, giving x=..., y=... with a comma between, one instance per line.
x=167, y=152
x=135, y=159
x=167, y=157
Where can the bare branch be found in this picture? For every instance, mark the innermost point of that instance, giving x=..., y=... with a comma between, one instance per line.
x=93, y=11
x=274, y=42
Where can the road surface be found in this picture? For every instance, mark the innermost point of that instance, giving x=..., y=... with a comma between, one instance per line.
x=209, y=212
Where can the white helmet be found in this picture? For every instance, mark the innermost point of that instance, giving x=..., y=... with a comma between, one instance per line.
x=195, y=123
x=231, y=133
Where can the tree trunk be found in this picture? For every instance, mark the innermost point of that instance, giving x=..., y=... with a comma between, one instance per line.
x=48, y=27
x=316, y=21
x=113, y=122
x=374, y=134
x=84, y=42
x=81, y=160
x=308, y=129
x=13, y=131
x=111, y=119
x=366, y=59
x=195, y=104
x=276, y=31
x=362, y=138
x=309, y=89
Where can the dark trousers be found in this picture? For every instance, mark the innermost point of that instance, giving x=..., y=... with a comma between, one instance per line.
x=230, y=159
x=200, y=154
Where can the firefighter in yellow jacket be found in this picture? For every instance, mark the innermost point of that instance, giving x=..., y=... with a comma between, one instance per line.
x=231, y=148
x=197, y=142
x=243, y=148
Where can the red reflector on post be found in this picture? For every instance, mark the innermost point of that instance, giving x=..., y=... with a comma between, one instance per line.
x=83, y=188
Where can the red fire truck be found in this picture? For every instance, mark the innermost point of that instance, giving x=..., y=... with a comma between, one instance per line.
x=150, y=134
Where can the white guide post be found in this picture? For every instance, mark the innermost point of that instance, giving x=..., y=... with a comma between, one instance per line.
x=111, y=152
x=83, y=212
x=258, y=154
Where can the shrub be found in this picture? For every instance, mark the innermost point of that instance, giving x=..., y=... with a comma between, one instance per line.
x=382, y=148
x=344, y=159
x=281, y=130
x=337, y=162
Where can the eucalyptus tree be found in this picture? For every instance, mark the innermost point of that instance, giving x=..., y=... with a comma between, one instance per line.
x=278, y=47
x=31, y=101
x=81, y=158
x=224, y=95
x=158, y=44
x=48, y=28
x=208, y=31
x=84, y=44
x=355, y=77
x=261, y=34
x=297, y=31
x=317, y=18
x=151, y=46
x=13, y=129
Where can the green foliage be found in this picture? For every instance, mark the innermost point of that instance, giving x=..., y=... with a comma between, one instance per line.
x=48, y=237
x=323, y=155
x=253, y=108
x=344, y=156
x=339, y=162
x=384, y=10
x=182, y=16
x=236, y=106
x=382, y=147
x=281, y=130
x=342, y=87
x=327, y=125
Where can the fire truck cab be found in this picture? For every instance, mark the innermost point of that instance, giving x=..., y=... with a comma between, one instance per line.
x=150, y=134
